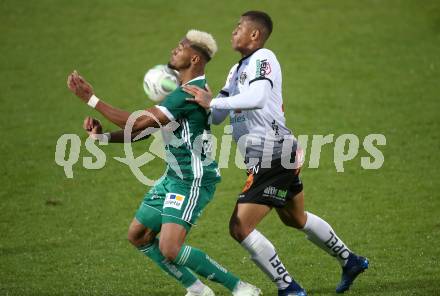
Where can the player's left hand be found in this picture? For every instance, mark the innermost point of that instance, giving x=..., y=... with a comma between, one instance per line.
x=92, y=126
x=79, y=86
x=201, y=96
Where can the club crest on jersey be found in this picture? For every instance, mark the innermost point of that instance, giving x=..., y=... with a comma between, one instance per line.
x=174, y=200
x=243, y=77
x=263, y=68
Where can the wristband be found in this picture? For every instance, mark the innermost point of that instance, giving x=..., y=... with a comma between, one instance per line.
x=93, y=101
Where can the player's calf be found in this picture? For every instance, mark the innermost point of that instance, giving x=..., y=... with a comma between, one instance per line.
x=144, y=239
x=245, y=219
x=199, y=262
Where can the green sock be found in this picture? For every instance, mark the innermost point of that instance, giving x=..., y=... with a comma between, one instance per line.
x=180, y=273
x=203, y=265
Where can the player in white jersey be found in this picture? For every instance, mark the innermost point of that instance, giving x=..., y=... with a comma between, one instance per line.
x=252, y=97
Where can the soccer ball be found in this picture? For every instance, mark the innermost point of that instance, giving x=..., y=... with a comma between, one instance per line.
x=160, y=81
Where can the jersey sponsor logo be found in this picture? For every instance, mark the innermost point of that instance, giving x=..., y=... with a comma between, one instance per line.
x=263, y=68
x=275, y=193
x=337, y=247
x=282, y=193
x=239, y=118
x=283, y=275
x=243, y=77
x=270, y=190
x=174, y=200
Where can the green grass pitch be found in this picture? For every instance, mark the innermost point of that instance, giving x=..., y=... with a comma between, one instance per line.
x=359, y=67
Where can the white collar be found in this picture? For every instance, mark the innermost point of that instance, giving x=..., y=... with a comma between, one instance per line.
x=197, y=78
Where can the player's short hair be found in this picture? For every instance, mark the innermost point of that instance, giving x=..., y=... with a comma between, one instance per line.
x=202, y=42
x=261, y=18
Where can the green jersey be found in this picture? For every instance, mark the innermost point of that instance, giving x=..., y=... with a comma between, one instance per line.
x=188, y=146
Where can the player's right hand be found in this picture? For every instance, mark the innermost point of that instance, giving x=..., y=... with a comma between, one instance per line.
x=201, y=96
x=92, y=126
x=79, y=86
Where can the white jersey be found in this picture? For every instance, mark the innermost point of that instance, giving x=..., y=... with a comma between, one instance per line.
x=261, y=130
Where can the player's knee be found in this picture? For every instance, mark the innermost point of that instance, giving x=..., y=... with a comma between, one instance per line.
x=293, y=224
x=140, y=238
x=296, y=221
x=238, y=231
x=132, y=237
x=168, y=250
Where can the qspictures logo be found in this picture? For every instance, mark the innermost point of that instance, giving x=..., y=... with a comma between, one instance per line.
x=346, y=147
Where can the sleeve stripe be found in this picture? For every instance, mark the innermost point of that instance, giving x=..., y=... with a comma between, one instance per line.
x=224, y=93
x=166, y=112
x=261, y=78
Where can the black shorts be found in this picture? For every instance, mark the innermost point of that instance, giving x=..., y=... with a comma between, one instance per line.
x=271, y=186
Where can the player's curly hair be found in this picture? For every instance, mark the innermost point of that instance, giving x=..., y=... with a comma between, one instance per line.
x=203, y=42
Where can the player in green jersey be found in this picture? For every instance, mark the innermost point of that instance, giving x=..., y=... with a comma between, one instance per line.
x=173, y=204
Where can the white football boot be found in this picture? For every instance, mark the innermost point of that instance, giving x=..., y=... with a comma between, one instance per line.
x=206, y=292
x=246, y=289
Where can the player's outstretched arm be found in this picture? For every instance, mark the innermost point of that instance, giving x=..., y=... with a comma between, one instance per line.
x=118, y=137
x=82, y=89
x=94, y=128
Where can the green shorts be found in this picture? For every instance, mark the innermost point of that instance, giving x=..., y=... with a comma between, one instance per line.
x=171, y=201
